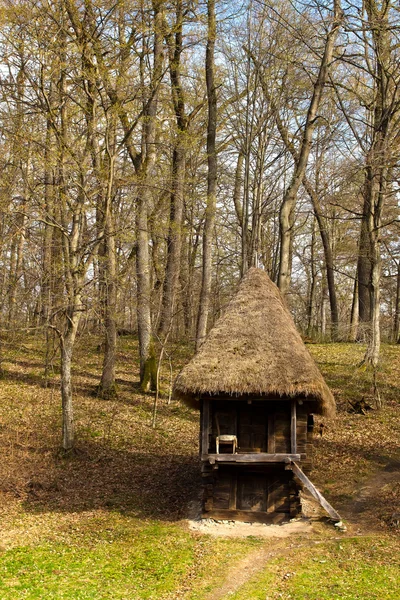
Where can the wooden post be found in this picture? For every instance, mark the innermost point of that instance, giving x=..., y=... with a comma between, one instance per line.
x=293, y=427
x=233, y=492
x=271, y=495
x=316, y=493
x=205, y=426
x=271, y=433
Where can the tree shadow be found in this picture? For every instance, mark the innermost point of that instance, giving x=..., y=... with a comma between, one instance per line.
x=153, y=486
x=29, y=378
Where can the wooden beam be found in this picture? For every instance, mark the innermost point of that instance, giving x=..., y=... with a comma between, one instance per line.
x=205, y=426
x=271, y=496
x=271, y=433
x=293, y=428
x=255, y=457
x=316, y=493
x=233, y=492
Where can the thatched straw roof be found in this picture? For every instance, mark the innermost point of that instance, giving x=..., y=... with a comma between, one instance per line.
x=254, y=349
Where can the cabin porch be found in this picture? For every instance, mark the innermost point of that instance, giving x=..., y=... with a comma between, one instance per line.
x=266, y=430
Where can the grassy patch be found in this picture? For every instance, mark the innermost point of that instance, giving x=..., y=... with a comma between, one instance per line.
x=108, y=556
x=350, y=569
x=144, y=563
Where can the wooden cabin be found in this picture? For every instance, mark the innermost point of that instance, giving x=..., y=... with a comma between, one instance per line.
x=257, y=389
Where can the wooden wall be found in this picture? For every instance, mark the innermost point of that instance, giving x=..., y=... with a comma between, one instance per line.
x=264, y=493
x=268, y=494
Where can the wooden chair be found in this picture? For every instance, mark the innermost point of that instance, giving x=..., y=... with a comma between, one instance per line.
x=227, y=438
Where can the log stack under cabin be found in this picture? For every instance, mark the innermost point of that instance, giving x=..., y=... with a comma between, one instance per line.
x=257, y=389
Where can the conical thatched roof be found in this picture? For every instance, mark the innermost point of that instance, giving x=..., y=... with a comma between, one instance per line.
x=255, y=349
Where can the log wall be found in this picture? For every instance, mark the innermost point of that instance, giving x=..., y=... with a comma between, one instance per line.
x=249, y=492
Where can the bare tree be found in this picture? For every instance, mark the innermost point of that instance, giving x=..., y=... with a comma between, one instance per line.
x=211, y=177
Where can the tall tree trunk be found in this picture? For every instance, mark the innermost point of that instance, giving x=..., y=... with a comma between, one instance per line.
x=378, y=168
x=328, y=255
x=211, y=178
x=144, y=202
x=313, y=285
x=396, y=321
x=354, y=312
x=107, y=387
x=174, y=243
x=67, y=347
x=188, y=275
x=257, y=204
x=289, y=199
x=364, y=263
x=49, y=259
x=144, y=290
x=237, y=191
x=16, y=265
x=323, y=309
x=45, y=288
x=70, y=248
x=372, y=353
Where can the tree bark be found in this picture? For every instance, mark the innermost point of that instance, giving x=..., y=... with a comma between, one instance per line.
x=313, y=285
x=211, y=178
x=144, y=201
x=377, y=168
x=364, y=264
x=67, y=347
x=238, y=189
x=328, y=255
x=354, y=312
x=16, y=265
x=396, y=322
x=174, y=242
x=107, y=387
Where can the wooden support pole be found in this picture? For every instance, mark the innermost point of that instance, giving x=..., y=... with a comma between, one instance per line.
x=233, y=492
x=205, y=426
x=316, y=493
x=271, y=433
x=293, y=428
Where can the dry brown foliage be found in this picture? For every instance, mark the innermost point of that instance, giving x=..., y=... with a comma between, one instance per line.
x=123, y=464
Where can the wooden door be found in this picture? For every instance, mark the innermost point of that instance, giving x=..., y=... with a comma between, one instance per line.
x=252, y=492
x=252, y=428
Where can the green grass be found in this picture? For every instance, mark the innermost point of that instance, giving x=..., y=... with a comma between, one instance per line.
x=115, y=557
x=349, y=569
x=124, y=563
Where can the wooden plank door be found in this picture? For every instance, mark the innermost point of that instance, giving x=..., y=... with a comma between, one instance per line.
x=252, y=428
x=252, y=492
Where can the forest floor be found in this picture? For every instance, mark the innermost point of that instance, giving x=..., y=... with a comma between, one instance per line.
x=111, y=520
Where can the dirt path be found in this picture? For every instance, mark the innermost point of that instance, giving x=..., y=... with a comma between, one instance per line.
x=363, y=508
x=244, y=570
